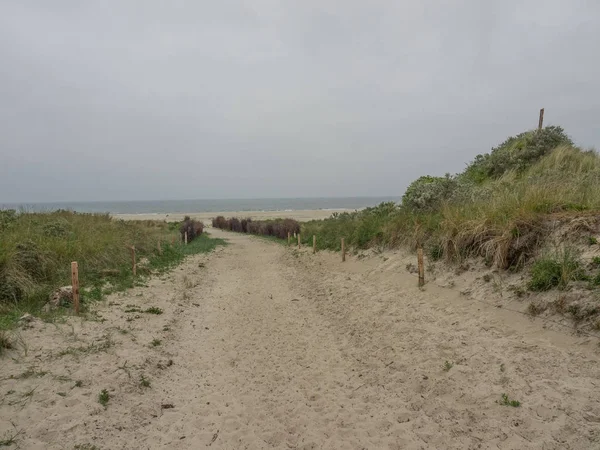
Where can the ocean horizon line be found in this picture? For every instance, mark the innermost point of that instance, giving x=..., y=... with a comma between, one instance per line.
x=206, y=205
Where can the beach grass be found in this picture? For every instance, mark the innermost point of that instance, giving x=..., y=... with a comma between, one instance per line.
x=503, y=218
x=36, y=251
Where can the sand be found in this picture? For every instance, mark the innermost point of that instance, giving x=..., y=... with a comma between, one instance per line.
x=300, y=215
x=263, y=346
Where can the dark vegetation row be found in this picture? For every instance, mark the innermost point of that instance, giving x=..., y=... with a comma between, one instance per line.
x=278, y=228
x=36, y=250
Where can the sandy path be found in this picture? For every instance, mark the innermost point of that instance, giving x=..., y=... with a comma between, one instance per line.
x=278, y=348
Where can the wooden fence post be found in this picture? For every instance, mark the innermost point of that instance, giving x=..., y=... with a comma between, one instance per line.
x=289, y=238
x=298, y=241
x=541, y=123
x=185, y=237
x=75, y=285
x=421, y=266
x=133, y=264
x=159, y=248
x=343, y=250
x=314, y=244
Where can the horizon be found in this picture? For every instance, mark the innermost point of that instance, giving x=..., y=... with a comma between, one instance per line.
x=202, y=199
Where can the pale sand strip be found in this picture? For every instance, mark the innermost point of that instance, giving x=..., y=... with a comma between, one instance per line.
x=301, y=215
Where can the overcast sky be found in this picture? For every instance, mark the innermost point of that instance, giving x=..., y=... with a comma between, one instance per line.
x=157, y=99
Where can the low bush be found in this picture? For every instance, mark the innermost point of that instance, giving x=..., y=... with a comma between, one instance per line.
x=278, y=228
x=556, y=270
x=193, y=228
x=516, y=153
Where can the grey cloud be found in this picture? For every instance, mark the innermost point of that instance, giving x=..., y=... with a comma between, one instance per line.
x=196, y=99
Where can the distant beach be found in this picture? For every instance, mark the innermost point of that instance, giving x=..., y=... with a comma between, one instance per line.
x=300, y=215
x=204, y=209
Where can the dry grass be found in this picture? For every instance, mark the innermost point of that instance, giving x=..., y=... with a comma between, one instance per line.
x=504, y=221
x=36, y=250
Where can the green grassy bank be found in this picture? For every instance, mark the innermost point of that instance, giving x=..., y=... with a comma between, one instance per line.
x=501, y=208
x=36, y=250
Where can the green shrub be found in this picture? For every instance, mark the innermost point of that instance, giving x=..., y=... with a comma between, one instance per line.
x=436, y=251
x=56, y=228
x=103, y=398
x=7, y=218
x=516, y=153
x=556, y=271
x=508, y=402
x=427, y=193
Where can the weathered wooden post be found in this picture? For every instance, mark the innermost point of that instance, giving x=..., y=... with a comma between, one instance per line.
x=541, y=122
x=289, y=238
x=343, y=251
x=421, y=266
x=133, y=264
x=298, y=241
x=159, y=248
x=314, y=244
x=185, y=237
x=75, y=285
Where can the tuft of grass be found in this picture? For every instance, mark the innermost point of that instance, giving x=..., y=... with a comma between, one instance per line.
x=592, y=240
x=155, y=342
x=579, y=313
x=103, y=397
x=31, y=373
x=556, y=270
x=448, y=365
x=536, y=309
x=154, y=310
x=144, y=382
x=502, y=367
x=436, y=252
x=508, y=402
x=10, y=437
x=94, y=347
x=78, y=383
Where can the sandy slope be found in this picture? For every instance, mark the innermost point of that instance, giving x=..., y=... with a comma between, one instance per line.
x=277, y=348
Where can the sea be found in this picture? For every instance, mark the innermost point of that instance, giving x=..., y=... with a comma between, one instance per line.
x=205, y=205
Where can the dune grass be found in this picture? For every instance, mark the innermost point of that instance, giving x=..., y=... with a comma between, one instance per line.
x=503, y=219
x=36, y=250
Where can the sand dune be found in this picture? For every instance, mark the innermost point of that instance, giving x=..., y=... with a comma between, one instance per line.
x=263, y=346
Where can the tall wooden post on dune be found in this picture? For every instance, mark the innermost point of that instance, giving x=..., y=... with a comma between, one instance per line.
x=314, y=244
x=298, y=241
x=75, y=285
x=159, y=248
x=421, y=266
x=289, y=238
x=185, y=237
x=343, y=250
x=541, y=122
